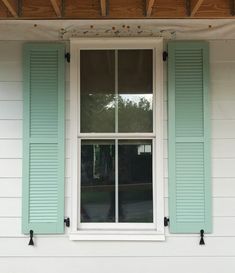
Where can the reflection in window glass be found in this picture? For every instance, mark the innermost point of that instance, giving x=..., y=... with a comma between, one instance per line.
x=97, y=90
x=116, y=96
x=97, y=181
x=135, y=181
x=135, y=91
x=135, y=113
x=135, y=71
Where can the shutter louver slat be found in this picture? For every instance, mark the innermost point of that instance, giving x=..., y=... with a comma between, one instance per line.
x=187, y=101
x=43, y=161
x=44, y=101
x=190, y=203
x=43, y=168
x=189, y=148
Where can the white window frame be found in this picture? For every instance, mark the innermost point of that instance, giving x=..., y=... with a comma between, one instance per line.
x=118, y=231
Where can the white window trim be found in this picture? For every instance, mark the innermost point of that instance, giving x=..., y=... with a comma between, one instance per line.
x=126, y=231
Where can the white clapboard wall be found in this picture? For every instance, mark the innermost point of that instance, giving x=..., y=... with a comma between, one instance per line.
x=179, y=253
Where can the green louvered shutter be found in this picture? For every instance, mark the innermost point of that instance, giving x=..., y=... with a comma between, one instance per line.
x=189, y=137
x=43, y=138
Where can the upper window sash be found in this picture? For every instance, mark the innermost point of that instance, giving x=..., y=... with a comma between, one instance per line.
x=116, y=91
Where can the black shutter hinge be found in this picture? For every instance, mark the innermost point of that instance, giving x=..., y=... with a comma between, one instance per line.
x=31, y=242
x=164, y=56
x=166, y=222
x=202, y=242
x=67, y=222
x=67, y=57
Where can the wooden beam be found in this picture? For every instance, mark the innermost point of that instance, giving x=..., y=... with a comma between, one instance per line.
x=20, y=6
x=103, y=7
x=10, y=8
x=232, y=7
x=149, y=7
x=196, y=7
x=188, y=7
x=56, y=7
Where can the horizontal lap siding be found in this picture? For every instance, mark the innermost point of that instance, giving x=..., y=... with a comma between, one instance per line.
x=166, y=256
x=137, y=265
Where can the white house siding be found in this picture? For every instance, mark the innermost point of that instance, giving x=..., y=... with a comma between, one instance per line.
x=179, y=253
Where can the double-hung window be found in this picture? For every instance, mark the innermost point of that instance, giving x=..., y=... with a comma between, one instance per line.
x=116, y=104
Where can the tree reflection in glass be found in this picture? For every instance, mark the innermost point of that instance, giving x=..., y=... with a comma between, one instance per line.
x=135, y=113
x=97, y=91
x=135, y=91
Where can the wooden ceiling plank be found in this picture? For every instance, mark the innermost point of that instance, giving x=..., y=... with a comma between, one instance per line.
x=116, y=9
x=103, y=7
x=196, y=7
x=10, y=8
x=149, y=7
x=56, y=7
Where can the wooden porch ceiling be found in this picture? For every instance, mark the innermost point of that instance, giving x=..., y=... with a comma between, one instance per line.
x=116, y=9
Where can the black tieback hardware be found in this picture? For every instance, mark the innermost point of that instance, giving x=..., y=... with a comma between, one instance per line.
x=31, y=243
x=166, y=221
x=67, y=57
x=67, y=222
x=202, y=242
x=164, y=56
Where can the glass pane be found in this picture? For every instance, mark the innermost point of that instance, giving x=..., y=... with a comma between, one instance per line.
x=135, y=181
x=97, y=90
x=135, y=90
x=97, y=181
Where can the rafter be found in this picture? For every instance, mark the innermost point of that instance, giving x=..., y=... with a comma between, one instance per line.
x=103, y=7
x=196, y=7
x=10, y=8
x=149, y=7
x=232, y=7
x=188, y=7
x=56, y=7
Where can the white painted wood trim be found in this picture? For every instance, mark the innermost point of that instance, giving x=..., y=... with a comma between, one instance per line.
x=159, y=190
x=116, y=237
x=73, y=134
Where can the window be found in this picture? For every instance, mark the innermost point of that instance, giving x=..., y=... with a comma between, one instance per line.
x=116, y=126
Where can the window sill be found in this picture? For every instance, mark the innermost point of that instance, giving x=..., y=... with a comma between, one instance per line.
x=116, y=236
